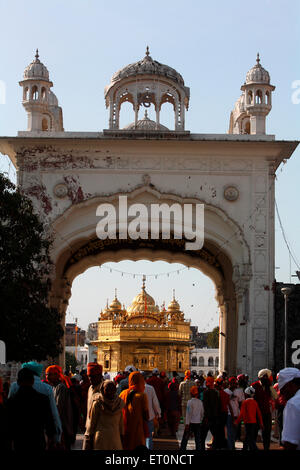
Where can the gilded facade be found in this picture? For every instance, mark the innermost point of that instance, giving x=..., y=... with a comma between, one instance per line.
x=143, y=335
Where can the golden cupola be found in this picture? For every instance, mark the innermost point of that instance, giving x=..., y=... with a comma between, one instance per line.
x=174, y=311
x=115, y=306
x=143, y=305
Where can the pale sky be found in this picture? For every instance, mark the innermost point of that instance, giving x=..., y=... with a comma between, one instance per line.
x=213, y=45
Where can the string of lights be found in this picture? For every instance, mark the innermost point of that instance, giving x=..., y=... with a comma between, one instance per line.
x=140, y=275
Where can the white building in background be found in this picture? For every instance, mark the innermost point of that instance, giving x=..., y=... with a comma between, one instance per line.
x=204, y=360
x=82, y=354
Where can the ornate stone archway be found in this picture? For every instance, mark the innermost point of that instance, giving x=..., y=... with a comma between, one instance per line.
x=68, y=176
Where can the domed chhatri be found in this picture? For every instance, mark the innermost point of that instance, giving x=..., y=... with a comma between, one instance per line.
x=144, y=83
x=36, y=70
x=39, y=101
x=255, y=103
x=257, y=74
x=144, y=335
x=148, y=66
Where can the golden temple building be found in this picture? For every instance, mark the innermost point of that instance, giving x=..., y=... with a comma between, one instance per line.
x=143, y=335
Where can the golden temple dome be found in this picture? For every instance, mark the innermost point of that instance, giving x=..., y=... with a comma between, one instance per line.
x=143, y=304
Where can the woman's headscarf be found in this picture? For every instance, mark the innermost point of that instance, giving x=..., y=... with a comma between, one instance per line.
x=187, y=374
x=136, y=384
x=106, y=404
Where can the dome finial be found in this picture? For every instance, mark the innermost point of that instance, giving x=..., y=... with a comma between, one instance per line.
x=147, y=51
x=144, y=280
x=37, y=55
x=115, y=293
x=258, y=59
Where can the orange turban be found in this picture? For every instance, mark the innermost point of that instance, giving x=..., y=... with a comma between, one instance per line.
x=210, y=382
x=56, y=370
x=194, y=391
x=187, y=374
x=94, y=367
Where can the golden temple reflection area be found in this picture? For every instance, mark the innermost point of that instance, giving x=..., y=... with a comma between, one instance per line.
x=195, y=292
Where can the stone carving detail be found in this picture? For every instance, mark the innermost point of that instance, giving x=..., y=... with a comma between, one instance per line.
x=241, y=277
x=231, y=193
x=60, y=190
x=146, y=180
x=260, y=242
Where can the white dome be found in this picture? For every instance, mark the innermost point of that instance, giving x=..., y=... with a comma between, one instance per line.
x=257, y=74
x=150, y=67
x=36, y=70
x=52, y=99
x=145, y=124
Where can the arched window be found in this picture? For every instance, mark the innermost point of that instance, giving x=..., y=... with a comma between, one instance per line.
x=43, y=93
x=201, y=361
x=194, y=361
x=210, y=361
x=34, y=93
x=217, y=361
x=45, y=125
x=26, y=94
x=267, y=98
x=249, y=97
x=258, y=97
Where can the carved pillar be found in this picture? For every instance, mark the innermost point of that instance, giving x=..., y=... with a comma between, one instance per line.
x=136, y=114
x=111, y=114
x=222, y=327
x=241, y=278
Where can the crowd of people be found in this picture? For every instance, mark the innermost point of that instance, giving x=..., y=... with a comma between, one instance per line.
x=127, y=412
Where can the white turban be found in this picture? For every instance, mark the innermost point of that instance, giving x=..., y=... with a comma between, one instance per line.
x=264, y=372
x=286, y=375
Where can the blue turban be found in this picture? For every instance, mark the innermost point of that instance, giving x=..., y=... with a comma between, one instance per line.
x=34, y=366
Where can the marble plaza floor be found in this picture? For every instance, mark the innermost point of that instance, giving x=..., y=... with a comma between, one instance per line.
x=166, y=442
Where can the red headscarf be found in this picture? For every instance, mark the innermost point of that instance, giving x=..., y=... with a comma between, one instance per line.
x=187, y=374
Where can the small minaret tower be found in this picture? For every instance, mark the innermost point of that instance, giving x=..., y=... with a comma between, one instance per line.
x=258, y=97
x=39, y=101
x=255, y=103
